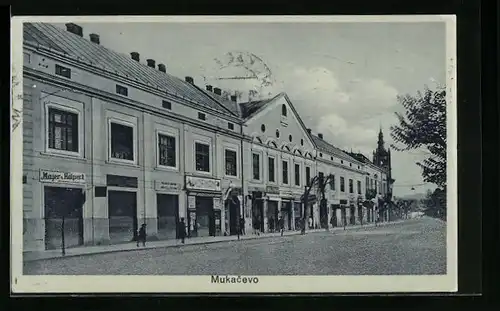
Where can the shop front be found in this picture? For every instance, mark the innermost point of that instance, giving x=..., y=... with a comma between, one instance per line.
x=122, y=208
x=309, y=210
x=287, y=199
x=204, y=206
x=64, y=197
x=297, y=213
x=334, y=222
x=167, y=209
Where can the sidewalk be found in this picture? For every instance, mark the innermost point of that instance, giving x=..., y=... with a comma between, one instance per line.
x=88, y=250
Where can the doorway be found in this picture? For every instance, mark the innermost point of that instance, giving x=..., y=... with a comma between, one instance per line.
x=272, y=216
x=323, y=214
x=352, y=215
x=257, y=213
x=122, y=209
x=205, y=222
x=286, y=212
x=63, y=209
x=234, y=214
x=167, y=206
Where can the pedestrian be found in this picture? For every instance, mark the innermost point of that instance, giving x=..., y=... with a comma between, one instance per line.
x=242, y=226
x=182, y=230
x=332, y=221
x=281, y=224
x=310, y=223
x=141, y=236
x=256, y=225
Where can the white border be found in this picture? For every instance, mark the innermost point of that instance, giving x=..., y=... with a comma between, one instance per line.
x=177, y=284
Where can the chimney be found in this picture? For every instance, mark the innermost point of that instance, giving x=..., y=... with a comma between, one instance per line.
x=151, y=63
x=320, y=135
x=135, y=56
x=94, y=38
x=309, y=131
x=209, y=88
x=234, y=98
x=74, y=28
x=189, y=80
x=217, y=91
x=162, y=68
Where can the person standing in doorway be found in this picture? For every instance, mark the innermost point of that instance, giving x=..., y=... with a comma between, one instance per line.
x=182, y=230
x=141, y=236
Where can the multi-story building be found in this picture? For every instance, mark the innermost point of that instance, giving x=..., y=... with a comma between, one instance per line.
x=110, y=143
x=279, y=161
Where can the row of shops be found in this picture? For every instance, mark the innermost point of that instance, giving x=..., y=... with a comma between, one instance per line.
x=73, y=210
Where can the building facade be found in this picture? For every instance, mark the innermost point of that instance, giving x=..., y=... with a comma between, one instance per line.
x=111, y=142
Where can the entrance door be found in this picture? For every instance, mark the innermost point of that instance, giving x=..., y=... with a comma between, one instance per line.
x=234, y=215
x=63, y=216
x=205, y=222
x=272, y=216
x=333, y=221
x=258, y=214
x=122, y=207
x=167, y=206
x=298, y=214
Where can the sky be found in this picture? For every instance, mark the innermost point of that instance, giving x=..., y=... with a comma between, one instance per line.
x=343, y=78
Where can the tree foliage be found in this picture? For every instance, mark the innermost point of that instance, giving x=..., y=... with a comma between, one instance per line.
x=423, y=125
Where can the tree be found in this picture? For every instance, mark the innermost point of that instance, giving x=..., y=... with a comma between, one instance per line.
x=423, y=125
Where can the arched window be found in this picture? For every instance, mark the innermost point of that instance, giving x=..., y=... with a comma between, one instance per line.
x=283, y=110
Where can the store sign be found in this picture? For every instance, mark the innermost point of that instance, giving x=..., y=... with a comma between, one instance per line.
x=166, y=185
x=200, y=183
x=191, y=202
x=272, y=189
x=217, y=204
x=62, y=177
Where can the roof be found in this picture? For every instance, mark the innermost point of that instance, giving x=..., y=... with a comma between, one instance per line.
x=249, y=109
x=227, y=104
x=96, y=55
x=327, y=147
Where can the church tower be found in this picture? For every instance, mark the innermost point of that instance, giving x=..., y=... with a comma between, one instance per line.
x=382, y=158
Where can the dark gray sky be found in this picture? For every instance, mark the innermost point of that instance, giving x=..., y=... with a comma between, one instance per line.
x=343, y=78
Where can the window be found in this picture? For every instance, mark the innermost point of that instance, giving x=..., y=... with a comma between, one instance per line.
x=342, y=184
x=231, y=163
x=26, y=58
x=297, y=174
x=367, y=183
x=308, y=176
x=263, y=128
x=320, y=155
x=371, y=184
x=201, y=116
x=285, y=172
x=283, y=110
x=359, y=187
x=202, y=153
x=63, y=71
x=121, y=90
x=277, y=133
x=166, y=151
x=376, y=186
x=166, y=104
x=302, y=142
x=230, y=126
x=350, y=164
x=332, y=183
x=342, y=161
x=256, y=166
x=331, y=158
x=351, y=186
x=63, y=130
x=290, y=138
x=122, y=141
x=270, y=167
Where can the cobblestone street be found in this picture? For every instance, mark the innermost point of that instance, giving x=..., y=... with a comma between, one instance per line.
x=413, y=247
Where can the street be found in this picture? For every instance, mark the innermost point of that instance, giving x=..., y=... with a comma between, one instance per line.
x=414, y=247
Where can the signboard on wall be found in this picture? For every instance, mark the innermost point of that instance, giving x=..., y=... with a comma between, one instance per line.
x=166, y=185
x=191, y=202
x=217, y=204
x=200, y=183
x=61, y=177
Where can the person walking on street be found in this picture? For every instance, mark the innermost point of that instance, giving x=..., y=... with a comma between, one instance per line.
x=141, y=236
x=281, y=224
x=242, y=226
x=182, y=230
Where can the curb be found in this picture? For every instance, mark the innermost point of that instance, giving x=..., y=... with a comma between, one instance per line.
x=293, y=233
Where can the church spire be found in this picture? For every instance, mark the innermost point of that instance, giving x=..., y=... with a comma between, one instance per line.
x=380, y=140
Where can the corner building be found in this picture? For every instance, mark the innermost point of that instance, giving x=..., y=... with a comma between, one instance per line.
x=111, y=142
